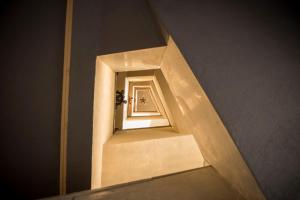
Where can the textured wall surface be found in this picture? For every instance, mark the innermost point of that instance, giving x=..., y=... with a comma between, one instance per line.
x=99, y=27
x=246, y=56
x=32, y=44
x=204, y=183
x=103, y=117
x=133, y=155
x=198, y=117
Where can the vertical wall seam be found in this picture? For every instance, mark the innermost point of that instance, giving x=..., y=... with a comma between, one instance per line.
x=65, y=98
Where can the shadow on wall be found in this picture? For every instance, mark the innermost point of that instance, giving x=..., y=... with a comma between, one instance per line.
x=194, y=115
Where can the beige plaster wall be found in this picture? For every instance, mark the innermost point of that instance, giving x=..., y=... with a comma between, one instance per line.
x=103, y=116
x=145, y=153
x=197, y=116
x=142, y=59
x=178, y=121
x=200, y=184
x=104, y=91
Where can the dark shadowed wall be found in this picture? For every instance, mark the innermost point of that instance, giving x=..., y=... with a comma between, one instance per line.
x=247, y=58
x=99, y=27
x=31, y=43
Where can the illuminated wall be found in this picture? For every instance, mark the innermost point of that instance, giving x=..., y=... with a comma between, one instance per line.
x=245, y=54
x=197, y=116
x=103, y=117
x=98, y=31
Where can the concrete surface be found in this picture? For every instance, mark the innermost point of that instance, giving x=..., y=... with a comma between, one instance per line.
x=103, y=117
x=200, y=184
x=246, y=56
x=99, y=27
x=32, y=54
x=198, y=117
x=145, y=153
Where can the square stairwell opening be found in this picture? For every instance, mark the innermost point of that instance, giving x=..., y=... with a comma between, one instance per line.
x=146, y=134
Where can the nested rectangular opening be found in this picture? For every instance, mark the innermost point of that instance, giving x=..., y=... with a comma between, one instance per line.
x=139, y=128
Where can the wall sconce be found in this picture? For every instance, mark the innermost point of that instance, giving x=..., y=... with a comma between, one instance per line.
x=120, y=98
